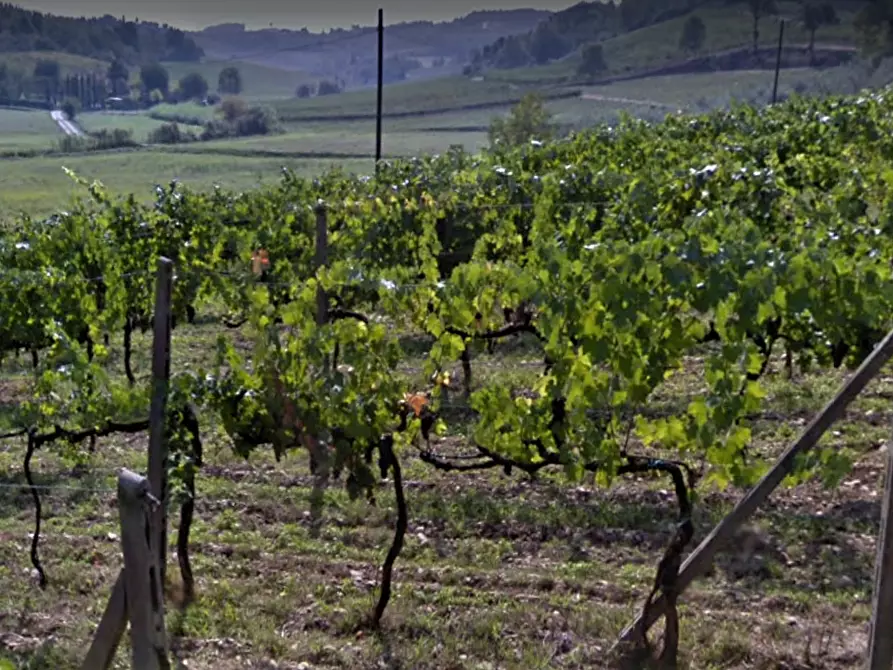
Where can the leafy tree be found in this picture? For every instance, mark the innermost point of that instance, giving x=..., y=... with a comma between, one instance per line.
x=758, y=9
x=118, y=76
x=545, y=44
x=229, y=82
x=48, y=69
x=528, y=120
x=327, y=87
x=71, y=107
x=513, y=53
x=815, y=16
x=694, y=32
x=593, y=62
x=193, y=86
x=232, y=108
x=304, y=91
x=155, y=76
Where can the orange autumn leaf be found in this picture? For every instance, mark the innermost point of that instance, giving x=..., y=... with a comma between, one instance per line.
x=416, y=401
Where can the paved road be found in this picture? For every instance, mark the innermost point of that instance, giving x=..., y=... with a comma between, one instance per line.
x=64, y=124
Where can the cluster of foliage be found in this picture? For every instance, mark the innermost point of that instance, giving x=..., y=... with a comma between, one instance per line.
x=630, y=247
x=101, y=38
x=236, y=119
x=239, y=119
x=527, y=121
x=323, y=87
x=98, y=140
x=621, y=252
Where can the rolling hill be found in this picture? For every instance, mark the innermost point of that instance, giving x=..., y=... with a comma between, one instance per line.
x=418, y=49
x=104, y=38
x=649, y=40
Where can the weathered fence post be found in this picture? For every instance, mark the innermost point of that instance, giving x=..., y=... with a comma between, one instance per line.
x=880, y=644
x=702, y=557
x=137, y=596
x=161, y=372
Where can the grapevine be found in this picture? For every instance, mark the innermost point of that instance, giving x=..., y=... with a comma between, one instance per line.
x=617, y=254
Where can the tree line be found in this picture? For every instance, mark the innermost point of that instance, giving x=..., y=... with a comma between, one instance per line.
x=105, y=38
x=48, y=84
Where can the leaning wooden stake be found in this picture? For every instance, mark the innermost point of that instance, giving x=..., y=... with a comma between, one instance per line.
x=702, y=557
x=137, y=596
x=880, y=644
x=161, y=372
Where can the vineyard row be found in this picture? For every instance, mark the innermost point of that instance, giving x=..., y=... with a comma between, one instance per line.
x=729, y=236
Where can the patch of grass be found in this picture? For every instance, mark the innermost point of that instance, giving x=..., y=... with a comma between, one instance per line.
x=27, y=130
x=359, y=143
x=138, y=124
x=449, y=93
x=183, y=110
x=258, y=81
x=497, y=571
x=39, y=187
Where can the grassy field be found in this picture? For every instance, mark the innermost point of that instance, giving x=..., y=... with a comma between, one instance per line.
x=38, y=186
x=496, y=572
x=139, y=124
x=26, y=130
x=359, y=142
x=425, y=96
x=727, y=28
x=258, y=81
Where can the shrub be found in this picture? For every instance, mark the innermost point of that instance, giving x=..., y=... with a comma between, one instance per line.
x=528, y=120
x=240, y=120
x=170, y=133
x=232, y=108
x=327, y=87
x=71, y=107
x=96, y=141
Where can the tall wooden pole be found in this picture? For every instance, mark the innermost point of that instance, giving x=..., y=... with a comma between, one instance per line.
x=778, y=61
x=378, y=112
x=161, y=372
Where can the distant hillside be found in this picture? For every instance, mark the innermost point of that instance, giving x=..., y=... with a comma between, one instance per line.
x=417, y=49
x=106, y=38
x=646, y=34
x=564, y=32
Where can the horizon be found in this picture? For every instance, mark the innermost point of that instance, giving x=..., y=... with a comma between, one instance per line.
x=194, y=15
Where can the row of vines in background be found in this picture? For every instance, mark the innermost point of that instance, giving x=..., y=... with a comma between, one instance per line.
x=620, y=251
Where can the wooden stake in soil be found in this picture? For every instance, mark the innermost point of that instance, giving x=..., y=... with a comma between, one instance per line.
x=702, y=557
x=136, y=597
x=880, y=644
x=161, y=372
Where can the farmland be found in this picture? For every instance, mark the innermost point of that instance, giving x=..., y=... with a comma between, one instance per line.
x=420, y=118
x=614, y=251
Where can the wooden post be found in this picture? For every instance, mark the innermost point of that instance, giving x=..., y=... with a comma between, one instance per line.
x=880, y=643
x=322, y=257
x=378, y=108
x=778, y=61
x=161, y=371
x=137, y=596
x=702, y=557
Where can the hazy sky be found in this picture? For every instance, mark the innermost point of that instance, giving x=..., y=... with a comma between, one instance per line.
x=317, y=15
